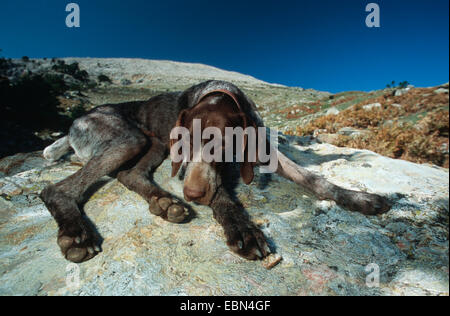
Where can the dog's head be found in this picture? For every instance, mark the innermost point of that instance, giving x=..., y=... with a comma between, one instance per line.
x=202, y=178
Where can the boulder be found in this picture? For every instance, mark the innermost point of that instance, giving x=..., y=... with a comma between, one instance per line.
x=441, y=90
x=332, y=111
x=369, y=107
x=325, y=249
x=400, y=92
x=327, y=138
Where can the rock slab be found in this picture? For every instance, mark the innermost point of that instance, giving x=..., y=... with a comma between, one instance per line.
x=326, y=250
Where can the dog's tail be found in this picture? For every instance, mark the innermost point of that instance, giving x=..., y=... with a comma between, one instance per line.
x=57, y=149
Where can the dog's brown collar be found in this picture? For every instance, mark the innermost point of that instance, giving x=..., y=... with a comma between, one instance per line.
x=230, y=94
x=233, y=96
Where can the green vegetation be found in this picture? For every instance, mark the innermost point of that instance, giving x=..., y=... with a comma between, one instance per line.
x=103, y=78
x=33, y=105
x=32, y=100
x=72, y=70
x=401, y=85
x=3, y=64
x=76, y=112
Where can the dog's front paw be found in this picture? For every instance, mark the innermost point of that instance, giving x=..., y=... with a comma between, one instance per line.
x=246, y=240
x=169, y=209
x=77, y=243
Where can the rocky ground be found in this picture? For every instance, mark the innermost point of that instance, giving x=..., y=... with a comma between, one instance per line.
x=325, y=249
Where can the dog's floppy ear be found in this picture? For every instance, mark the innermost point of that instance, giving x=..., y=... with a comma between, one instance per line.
x=247, y=173
x=180, y=122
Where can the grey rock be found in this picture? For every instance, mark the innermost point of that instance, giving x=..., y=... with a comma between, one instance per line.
x=441, y=90
x=325, y=248
x=317, y=132
x=354, y=132
x=369, y=107
x=332, y=111
x=400, y=92
x=388, y=123
x=327, y=138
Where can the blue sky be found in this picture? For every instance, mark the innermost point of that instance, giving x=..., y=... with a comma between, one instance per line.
x=321, y=44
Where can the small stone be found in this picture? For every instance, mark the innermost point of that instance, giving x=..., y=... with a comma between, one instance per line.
x=317, y=132
x=271, y=261
x=262, y=222
x=11, y=189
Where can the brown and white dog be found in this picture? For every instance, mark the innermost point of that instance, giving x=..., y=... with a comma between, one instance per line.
x=133, y=139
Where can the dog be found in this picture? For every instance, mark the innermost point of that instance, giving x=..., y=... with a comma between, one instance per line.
x=130, y=140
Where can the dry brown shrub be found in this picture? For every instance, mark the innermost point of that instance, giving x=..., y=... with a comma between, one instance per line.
x=425, y=141
x=309, y=108
x=343, y=100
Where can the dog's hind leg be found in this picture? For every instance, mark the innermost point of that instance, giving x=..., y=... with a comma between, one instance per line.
x=137, y=180
x=75, y=238
x=57, y=149
x=362, y=202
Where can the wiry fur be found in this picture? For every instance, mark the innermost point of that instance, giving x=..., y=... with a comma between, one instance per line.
x=57, y=149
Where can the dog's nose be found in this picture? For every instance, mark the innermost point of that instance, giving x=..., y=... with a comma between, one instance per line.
x=192, y=194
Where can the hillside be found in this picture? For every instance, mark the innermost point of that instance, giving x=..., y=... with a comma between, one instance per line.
x=41, y=97
x=409, y=123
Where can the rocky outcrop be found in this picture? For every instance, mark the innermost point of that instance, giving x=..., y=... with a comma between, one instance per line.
x=325, y=249
x=145, y=71
x=127, y=71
